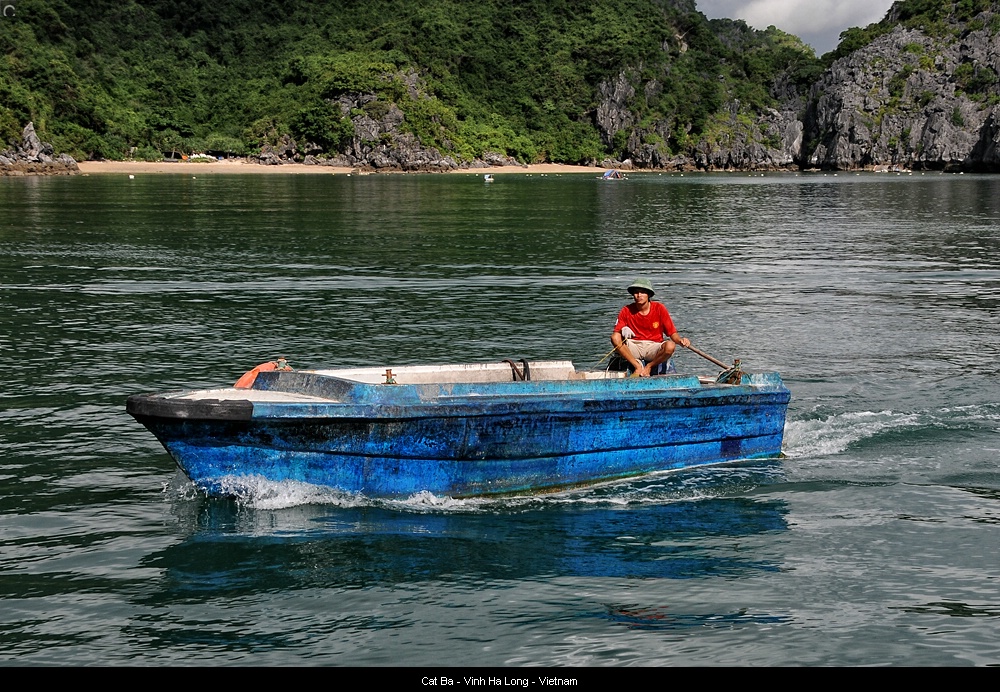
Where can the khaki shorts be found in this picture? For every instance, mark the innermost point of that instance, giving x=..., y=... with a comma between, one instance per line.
x=644, y=350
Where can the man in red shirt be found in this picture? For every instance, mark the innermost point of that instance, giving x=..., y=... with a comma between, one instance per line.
x=638, y=333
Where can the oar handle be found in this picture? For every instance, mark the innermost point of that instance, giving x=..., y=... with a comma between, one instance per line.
x=708, y=357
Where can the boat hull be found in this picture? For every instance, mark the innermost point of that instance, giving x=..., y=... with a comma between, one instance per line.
x=464, y=440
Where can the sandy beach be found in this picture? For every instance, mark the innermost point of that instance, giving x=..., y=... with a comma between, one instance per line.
x=242, y=167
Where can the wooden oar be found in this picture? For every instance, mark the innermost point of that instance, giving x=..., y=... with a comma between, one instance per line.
x=708, y=357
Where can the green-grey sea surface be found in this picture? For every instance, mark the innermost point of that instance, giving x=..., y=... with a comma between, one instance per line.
x=873, y=542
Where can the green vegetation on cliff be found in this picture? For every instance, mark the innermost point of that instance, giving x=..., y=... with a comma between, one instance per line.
x=933, y=17
x=118, y=78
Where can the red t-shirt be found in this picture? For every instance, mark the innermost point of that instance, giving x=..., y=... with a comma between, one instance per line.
x=649, y=327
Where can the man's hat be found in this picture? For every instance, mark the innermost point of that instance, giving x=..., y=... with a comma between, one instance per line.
x=641, y=285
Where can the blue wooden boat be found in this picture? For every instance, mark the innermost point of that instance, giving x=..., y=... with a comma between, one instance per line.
x=463, y=430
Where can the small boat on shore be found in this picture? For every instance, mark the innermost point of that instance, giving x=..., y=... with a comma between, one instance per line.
x=462, y=430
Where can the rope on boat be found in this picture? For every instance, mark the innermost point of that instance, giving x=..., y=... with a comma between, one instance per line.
x=607, y=355
x=520, y=375
x=733, y=375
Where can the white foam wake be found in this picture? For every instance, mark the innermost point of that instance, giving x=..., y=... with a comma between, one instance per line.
x=834, y=434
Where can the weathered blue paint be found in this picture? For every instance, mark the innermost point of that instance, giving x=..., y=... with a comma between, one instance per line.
x=467, y=439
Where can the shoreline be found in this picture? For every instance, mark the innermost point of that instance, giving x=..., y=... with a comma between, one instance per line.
x=242, y=167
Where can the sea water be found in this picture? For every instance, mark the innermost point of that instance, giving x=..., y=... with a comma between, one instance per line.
x=873, y=542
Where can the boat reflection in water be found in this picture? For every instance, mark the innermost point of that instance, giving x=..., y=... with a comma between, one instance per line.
x=236, y=548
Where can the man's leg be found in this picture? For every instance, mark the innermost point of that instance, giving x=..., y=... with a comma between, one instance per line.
x=663, y=354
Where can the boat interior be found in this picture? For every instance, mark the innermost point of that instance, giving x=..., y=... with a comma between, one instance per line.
x=504, y=371
x=338, y=384
x=334, y=384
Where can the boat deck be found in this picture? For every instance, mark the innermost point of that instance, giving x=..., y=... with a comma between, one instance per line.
x=548, y=378
x=536, y=371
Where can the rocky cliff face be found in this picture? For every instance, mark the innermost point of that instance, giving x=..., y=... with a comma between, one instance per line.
x=734, y=140
x=767, y=142
x=908, y=99
x=34, y=157
x=379, y=143
x=380, y=140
